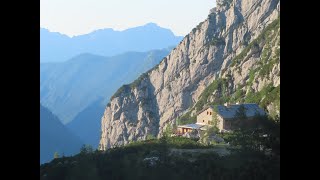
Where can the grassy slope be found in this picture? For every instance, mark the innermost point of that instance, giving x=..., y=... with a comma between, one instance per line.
x=129, y=162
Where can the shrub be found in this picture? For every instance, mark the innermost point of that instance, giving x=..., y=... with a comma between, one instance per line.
x=123, y=89
x=217, y=42
x=219, y=85
x=86, y=149
x=150, y=137
x=186, y=119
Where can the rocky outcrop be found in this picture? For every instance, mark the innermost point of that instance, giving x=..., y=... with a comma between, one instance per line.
x=207, y=53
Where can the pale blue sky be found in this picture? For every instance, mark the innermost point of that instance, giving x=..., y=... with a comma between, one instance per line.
x=74, y=17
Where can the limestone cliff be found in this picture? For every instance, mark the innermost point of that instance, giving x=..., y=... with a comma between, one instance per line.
x=232, y=44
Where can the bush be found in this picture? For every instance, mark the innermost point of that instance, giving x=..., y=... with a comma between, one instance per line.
x=124, y=89
x=150, y=137
x=217, y=42
x=268, y=94
x=128, y=163
x=86, y=149
x=186, y=119
x=135, y=83
x=219, y=85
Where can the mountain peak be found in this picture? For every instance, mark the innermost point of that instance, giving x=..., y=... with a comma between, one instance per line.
x=151, y=24
x=105, y=42
x=223, y=4
x=103, y=30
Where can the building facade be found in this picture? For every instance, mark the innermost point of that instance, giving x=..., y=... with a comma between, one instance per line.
x=228, y=116
x=224, y=117
x=205, y=116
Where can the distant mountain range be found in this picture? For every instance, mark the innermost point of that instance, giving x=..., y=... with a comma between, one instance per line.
x=87, y=123
x=55, y=137
x=71, y=89
x=56, y=47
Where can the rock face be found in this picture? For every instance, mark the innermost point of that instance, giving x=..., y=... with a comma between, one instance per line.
x=207, y=53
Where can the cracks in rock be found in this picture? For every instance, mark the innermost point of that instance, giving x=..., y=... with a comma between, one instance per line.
x=271, y=8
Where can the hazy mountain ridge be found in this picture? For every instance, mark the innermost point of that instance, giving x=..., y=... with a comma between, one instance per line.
x=87, y=123
x=55, y=137
x=70, y=89
x=72, y=85
x=56, y=47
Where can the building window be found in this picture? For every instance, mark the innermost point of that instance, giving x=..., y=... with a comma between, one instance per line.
x=202, y=120
x=210, y=113
x=207, y=112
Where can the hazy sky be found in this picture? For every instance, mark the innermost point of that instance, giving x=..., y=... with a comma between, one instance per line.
x=74, y=17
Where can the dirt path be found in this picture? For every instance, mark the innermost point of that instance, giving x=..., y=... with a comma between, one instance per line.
x=222, y=151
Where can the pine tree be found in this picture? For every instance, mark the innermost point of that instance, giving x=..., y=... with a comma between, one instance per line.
x=56, y=155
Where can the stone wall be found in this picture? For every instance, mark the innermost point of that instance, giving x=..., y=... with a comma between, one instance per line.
x=205, y=116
